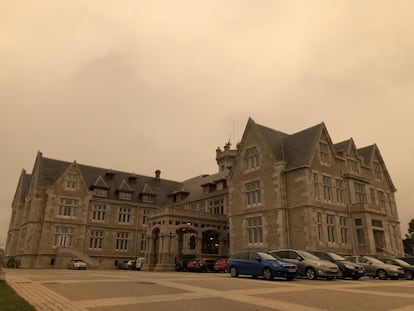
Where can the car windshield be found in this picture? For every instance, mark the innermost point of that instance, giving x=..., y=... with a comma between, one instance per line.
x=401, y=262
x=336, y=257
x=374, y=260
x=267, y=256
x=308, y=255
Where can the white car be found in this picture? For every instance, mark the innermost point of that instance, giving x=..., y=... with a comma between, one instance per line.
x=77, y=264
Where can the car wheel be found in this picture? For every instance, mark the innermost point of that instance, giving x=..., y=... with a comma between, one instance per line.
x=408, y=275
x=233, y=272
x=267, y=274
x=330, y=278
x=310, y=274
x=381, y=274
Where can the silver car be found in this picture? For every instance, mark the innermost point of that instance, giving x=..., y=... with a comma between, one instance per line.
x=376, y=268
x=308, y=265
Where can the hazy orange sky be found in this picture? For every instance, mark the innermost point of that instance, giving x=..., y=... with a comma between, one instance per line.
x=145, y=85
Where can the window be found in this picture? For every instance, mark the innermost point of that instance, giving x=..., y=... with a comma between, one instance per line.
x=360, y=236
x=315, y=185
x=358, y=222
x=254, y=230
x=379, y=238
x=324, y=153
x=67, y=207
x=143, y=244
x=319, y=222
x=148, y=198
x=63, y=236
x=99, y=212
x=381, y=199
x=343, y=221
x=71, y=180
x=372, y=195
x=359, y=231
x=98, y=192
x=340, y=191
x=145, y=214
x=124, y=214
x=377, y=171
x=122, y=241
x=327, y=189
x=330, y=225
x=360, y=193
x=127, y=196
x=217, y=206
x=352, y=166
x=96, y=240
x=376, y=223
x=253, y=195
x=251, y=158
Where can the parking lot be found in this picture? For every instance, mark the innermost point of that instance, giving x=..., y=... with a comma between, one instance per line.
x=105, y=290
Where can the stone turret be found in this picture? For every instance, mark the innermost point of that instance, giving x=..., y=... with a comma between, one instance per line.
x=225, y=158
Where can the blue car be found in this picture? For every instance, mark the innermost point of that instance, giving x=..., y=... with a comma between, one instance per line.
x=260, y=264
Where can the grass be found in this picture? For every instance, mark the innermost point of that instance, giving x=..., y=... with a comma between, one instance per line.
x=10, y=301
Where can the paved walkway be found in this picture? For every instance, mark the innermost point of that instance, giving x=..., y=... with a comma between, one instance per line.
x=55, y=290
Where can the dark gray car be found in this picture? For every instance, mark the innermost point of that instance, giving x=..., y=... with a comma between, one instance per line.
x=376, y=268
x=308, y=265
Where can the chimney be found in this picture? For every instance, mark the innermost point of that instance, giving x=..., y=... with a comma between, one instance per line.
x=157, y=175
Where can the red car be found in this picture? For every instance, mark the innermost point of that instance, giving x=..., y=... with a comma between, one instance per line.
x=220, y=265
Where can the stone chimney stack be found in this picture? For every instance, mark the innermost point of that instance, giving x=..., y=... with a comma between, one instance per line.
x=157, y=176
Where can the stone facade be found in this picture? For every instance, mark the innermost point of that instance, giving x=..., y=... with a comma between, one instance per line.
x=274, y=191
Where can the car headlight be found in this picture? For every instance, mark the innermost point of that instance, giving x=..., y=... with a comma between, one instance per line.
x=349, y=267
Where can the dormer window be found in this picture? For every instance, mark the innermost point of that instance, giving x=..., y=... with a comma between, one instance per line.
x=352, y=166
x=324, y=153
x=377, y=171
x=148, y=198
x=251, y=158
x=127, y=196
x=71, y=181
x=99, y=192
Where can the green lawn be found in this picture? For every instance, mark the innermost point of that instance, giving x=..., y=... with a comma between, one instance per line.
x=10, y=301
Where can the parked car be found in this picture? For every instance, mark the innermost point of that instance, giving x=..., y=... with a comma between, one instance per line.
x=204, y=265
x=260, y=264
x=190, y=266
x=408, y=269
x=201, y=265
x=181, y=265
x=308, y=265
x=220, y=265
x=347, y=269
x=132, y=264
x=376, y=268
x=77, y=264
x=408, y=259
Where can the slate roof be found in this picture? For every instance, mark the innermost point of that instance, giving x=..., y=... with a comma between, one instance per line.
x=366, y=154
x=299, y=148
x=51, y=170
x=273, y=139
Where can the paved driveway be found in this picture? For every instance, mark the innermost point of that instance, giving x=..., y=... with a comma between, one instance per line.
x=105, y=290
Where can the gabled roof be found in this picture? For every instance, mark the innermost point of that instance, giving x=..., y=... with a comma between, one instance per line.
x=299, y=148
x=273, y=139
x=367, y=153
x=344, y=146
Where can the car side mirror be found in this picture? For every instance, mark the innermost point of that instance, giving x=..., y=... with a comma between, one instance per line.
x=299, y=258
x=258, y=259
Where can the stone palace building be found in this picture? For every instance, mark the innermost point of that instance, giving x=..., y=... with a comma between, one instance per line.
x=274, y=190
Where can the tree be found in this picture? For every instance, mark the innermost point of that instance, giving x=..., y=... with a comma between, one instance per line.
x=409, y=239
